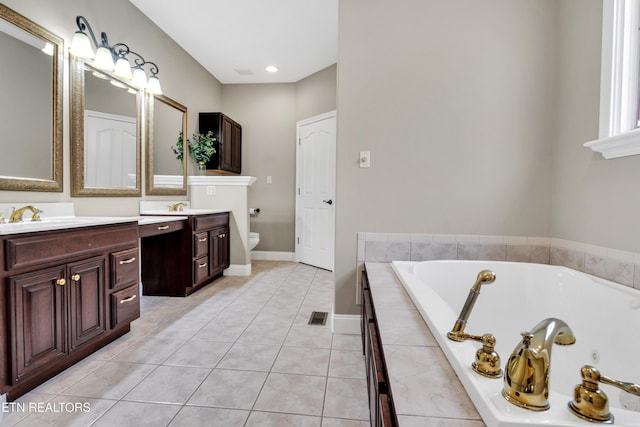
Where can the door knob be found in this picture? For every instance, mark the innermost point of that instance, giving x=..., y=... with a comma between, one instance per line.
x=329, y=202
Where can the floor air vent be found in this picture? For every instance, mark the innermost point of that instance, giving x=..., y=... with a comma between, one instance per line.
x=318, y=318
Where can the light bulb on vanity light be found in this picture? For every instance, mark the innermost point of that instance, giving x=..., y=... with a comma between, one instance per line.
x=139, y=79
x=153, y=86
x=81, y=46
x=123, y=69
x=104, y=59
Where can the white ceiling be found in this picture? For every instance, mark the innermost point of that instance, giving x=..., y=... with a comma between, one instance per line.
x=236, y=39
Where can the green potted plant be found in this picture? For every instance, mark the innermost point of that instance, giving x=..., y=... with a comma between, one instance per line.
x=201, y=146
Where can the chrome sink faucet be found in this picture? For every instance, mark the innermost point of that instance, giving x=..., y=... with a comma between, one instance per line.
x=526, y=374
x=16, y=214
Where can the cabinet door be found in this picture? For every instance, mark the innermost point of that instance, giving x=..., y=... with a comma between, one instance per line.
x=86, y=287
x=236, y=148
x=226, y=146
x=37, y=307
x=219, y=252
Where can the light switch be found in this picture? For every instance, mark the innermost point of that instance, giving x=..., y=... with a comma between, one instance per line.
x=269, y=180
x=365, y=159
x=211, y=190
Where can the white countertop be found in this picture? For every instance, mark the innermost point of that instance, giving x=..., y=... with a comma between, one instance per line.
x=185, y=212
x=61, y=223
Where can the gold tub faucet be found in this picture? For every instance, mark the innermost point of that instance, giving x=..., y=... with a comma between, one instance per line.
x=177, y=207
x=592, y=404
x=487, y=361
x=526, y=374
x=16, y=214
x=457, y=332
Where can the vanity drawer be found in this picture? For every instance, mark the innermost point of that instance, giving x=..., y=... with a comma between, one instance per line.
x=200, y=244
x=124, y=268
x=125, y=305
x=203, y=222
x=161, y=228
x=36, y=249
x=200, y=269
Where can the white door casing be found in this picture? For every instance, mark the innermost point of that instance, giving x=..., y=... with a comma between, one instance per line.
x=110, y=150
x=315, y=194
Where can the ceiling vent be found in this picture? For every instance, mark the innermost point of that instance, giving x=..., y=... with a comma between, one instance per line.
x=244, y=71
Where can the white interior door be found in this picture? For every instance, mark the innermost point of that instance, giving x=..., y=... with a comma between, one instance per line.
x=315, y=205
x=110, y=150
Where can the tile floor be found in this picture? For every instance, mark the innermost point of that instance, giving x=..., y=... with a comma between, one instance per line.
x=237, y=353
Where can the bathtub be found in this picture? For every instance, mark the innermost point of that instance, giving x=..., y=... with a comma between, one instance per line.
x=604, y=316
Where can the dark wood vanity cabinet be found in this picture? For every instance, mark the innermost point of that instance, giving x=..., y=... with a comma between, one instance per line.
x=179, y=262
x=381, y=409
x=59, y=290
x=228, y=156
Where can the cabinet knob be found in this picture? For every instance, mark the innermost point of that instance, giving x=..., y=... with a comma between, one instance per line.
x=61, y=282
x=75, y=277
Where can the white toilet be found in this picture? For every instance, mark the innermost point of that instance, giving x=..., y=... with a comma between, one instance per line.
x=254, y=239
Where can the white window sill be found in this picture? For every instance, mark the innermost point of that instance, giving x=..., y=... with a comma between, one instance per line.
x=622, y=145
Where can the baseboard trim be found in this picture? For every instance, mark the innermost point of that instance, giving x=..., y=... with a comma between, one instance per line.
x=238, y=270
x=273, y=256
x=345, y=323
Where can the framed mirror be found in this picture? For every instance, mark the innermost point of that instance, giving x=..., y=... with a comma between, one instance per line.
x=106, y=128
x=30, y=105
x=166, y=161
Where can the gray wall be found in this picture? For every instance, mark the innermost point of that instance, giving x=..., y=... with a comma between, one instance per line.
x=594, y=200
x=182, y=78
x=268, y=114
x=455, y=101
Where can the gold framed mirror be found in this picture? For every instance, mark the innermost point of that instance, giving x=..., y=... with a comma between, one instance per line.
x=30, y=105
x=166, y=163
x=106, y=129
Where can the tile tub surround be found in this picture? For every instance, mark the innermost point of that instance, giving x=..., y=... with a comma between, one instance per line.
x=425, y=389
x=611, y=264
x=239, y=353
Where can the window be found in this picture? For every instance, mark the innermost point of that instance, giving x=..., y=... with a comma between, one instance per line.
x=619, y=133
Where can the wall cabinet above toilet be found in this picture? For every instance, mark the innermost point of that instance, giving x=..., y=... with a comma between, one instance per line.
x=228, y=156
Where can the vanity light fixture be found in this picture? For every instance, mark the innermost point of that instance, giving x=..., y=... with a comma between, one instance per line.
x=106, y=55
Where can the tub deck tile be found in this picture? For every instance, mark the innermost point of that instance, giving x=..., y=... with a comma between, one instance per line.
x=404, y=327
x=425, y=388
x=423, y=383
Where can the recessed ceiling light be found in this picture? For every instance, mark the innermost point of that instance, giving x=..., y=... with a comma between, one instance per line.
x=271, y=68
